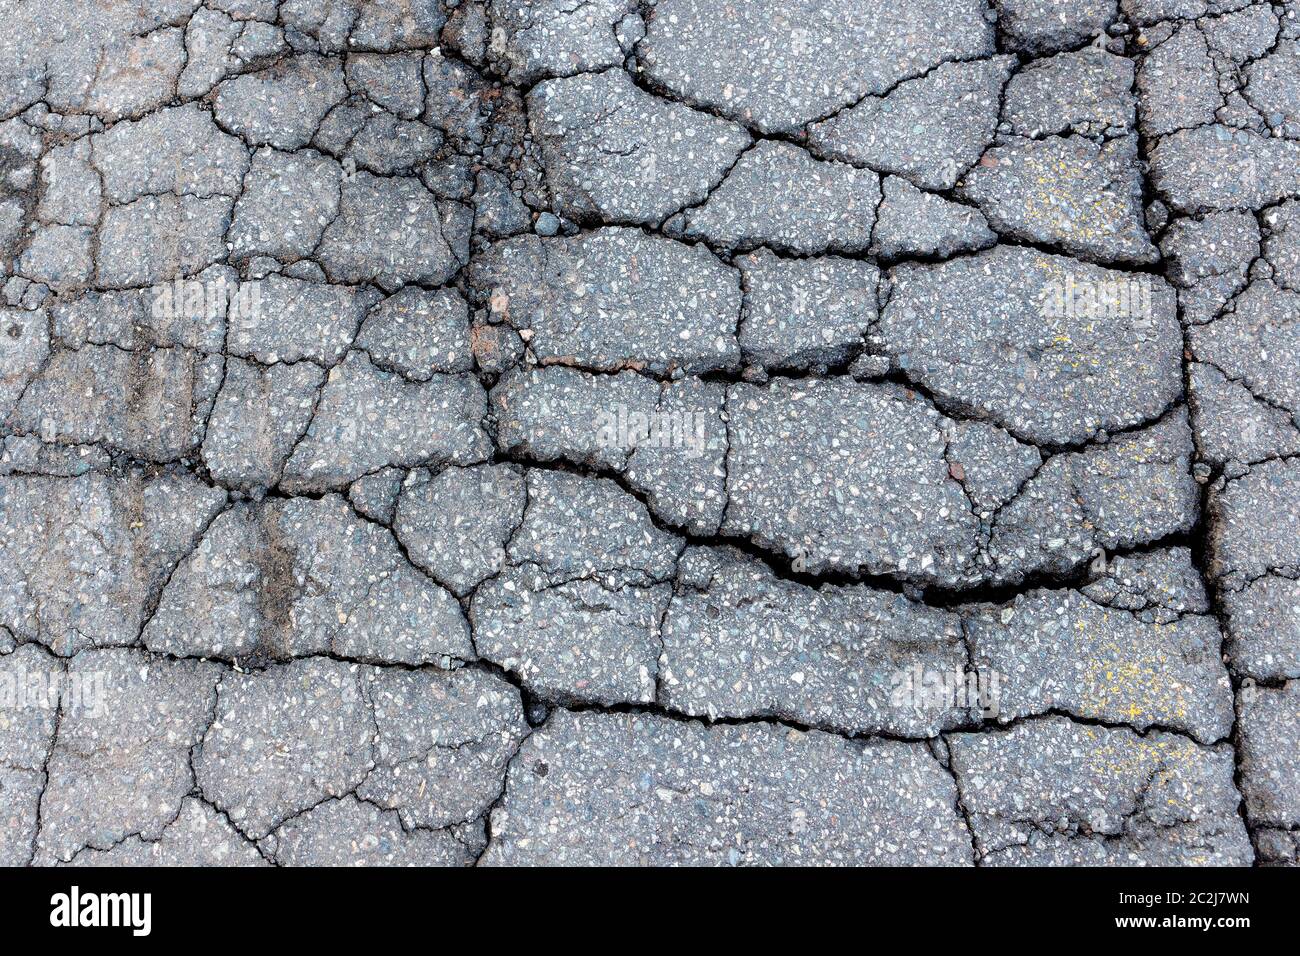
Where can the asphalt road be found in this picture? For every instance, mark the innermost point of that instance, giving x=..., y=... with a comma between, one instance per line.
x=682, y=432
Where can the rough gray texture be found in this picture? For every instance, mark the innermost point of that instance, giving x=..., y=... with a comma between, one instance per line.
x=1257, y=347
x=1061, y=651
x=1215, y=167
x=121, y=768
x=284, y=739
x=387, y=232
x=300, y=577
x=287, y=201
x=299, y=319
x=283, y=105
x=1050, y=348
x=799, y=312
x=456, y=524
x=367, y=418
x=149, y=404
x=556, y=38
x=890, y=465
x=779, y=196
x=86, y=556
x=617, y=154
x=815, y=464
x=1268, y=719
x=1041, y=26
x=1066, y=193
x=443, y=743
x=261, y=412
x=348, y=832
x=1133, y=491
x=199, y=836
x=556, y=413
x=1087, y=91
x=1233, y=423
x=646, y=790
x=929, y=130
x=790, y=63
x=912, y=223
x=1053, y=793
x=1208, y=260
x=576, y=611
x=1177, y=83
x=692, y=431
x=1264, y=621
x=418, y=334
x=740, y=642
x=680, y=460
x=24, y=749
x=613, y=299
x=1256, y=530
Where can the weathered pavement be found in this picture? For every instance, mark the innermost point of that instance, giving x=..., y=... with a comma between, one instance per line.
x=617, y=432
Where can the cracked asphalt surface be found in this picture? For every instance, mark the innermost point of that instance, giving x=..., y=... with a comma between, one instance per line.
x=597, y=431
